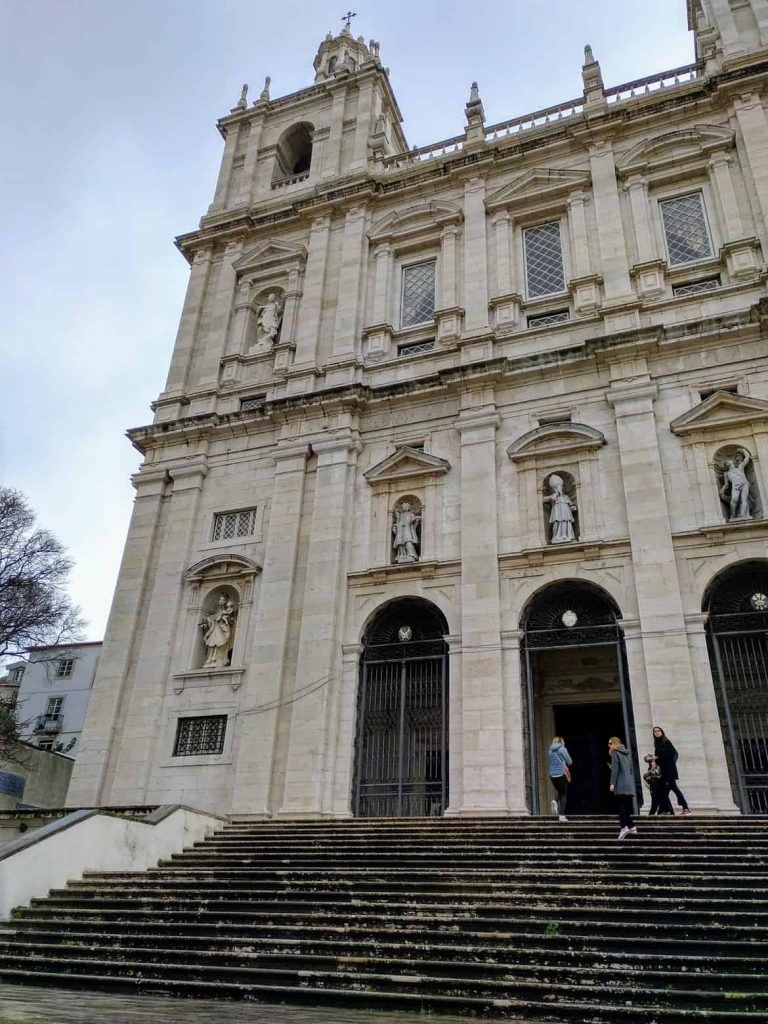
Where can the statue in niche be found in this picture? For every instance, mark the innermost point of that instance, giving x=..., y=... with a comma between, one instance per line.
x=735, y=487
x=561, y=515
x=269, y=320
x=218, y=628
x=406, y=544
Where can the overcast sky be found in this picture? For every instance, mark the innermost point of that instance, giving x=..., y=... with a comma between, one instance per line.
x=109, y=150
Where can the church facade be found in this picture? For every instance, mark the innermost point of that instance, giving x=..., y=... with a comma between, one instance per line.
x=461, y=447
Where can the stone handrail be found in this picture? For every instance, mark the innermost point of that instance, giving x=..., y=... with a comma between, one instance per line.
x=654, y=83
x=534, y=120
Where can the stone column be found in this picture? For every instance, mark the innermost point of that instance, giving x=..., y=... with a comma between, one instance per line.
x=382, y=272
x=449, y=239
x=613, y=250
x=207, y=366
x=241, y=316
x=265, y=685
x=500, y=224
x=136, y=737
x=714, y=748
x=727, y=28
x=338, y=787
x=638, y=686
x=186, y=335
x=671, y=684
x=513, y=722
x=318, y=664
x=637, y=188
x=332, y=155
x=753, y=125
x=577, y=222
x=351, y=282
x=97, y=753
x=720, y=170
x=310, y=318
x=225, y=171
x=249, y=183
x=363, y=126
x=482, y=688
x=475, y=258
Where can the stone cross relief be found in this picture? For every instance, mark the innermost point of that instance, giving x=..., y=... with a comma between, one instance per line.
x=735, y=489
x=561, y=515
x=406, y=544
x=218, y=628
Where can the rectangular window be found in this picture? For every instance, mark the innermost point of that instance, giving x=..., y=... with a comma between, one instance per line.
x=253, y=404
x=64, y=668
x=685, y=229
x=204, y=735
x=561, y=316
x=55, y=705
x=16, y=674
x=416, y=349
x=544, y=272
x=229, y=525
x=709, y=284
x=418, y=301
x=45, y=744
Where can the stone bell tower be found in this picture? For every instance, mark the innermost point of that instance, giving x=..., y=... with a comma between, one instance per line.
x=726, y=31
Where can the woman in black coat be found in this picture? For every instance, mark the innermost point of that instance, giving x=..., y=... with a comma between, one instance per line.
x=666, y=759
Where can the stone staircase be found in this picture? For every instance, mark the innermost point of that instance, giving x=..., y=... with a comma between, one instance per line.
x=499, y=918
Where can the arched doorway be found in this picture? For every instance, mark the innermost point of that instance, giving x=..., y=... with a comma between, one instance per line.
x=575, y=686
x=401, y=758
x=737, y=603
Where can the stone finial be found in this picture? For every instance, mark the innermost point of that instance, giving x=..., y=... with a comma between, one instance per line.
x=373, y=46
x=592, y=77
x=264, y=94
x=243, y=101
x=475, y=115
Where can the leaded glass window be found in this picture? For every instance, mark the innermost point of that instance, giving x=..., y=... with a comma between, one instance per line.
x=418, y=302
x=203, y=735
x=544, y=271
x=230, y=525
x=685, y=228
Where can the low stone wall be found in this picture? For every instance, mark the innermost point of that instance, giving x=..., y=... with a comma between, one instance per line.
x=94, y=840
x=40, y=778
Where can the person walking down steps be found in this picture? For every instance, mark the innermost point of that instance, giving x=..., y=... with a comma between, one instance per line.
x=622, y=785
x=560, y=775
x=666, y=759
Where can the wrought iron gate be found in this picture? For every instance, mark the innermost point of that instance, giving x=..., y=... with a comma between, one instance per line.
x=738, y=635
x=402, y=740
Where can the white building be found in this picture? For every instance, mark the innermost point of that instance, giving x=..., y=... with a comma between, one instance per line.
x=54, y=690
x=460, y=446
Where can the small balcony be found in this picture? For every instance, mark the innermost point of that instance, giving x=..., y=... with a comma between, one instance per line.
x=49, y=724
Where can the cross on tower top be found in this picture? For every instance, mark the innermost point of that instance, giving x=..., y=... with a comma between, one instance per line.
x=348, y=17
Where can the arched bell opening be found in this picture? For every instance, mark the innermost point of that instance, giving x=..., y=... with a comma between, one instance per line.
x=736, y=602
x=575, y=686
x=401, y=756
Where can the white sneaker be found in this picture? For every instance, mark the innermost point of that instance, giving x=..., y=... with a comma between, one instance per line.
x=624, y=832
x=633, y=831
x=562, y=817
x=555, y=807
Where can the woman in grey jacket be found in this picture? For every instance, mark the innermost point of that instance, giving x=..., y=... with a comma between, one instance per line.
x=622, y=785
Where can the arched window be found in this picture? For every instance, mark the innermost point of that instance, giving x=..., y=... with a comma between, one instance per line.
x=294, y=152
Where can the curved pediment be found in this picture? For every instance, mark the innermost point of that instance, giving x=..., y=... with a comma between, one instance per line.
x=415, y=220
x=722, y=409
x=405, y=464
x=227, y=565
x=270, y=254
x=564, y=438
x=677, y=145
x=539, y=184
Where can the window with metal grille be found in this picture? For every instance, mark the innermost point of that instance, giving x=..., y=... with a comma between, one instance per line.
x=203, y=735
x=255, y=403
x=709, y=284
x=561, y=316
x=229, y=525
x=64, y=668
x=416, y=349
x=685, y=229
x=418, y=301
x=544, y=273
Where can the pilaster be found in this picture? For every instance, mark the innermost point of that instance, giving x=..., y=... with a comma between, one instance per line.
x=753, y=125
x=613, y=250
x=186, y=335
x=513, y=721
x=351, y=285
x=332, y=153
x=308, y=333
x=225, y=171
x=475, y=257
x=207, y=367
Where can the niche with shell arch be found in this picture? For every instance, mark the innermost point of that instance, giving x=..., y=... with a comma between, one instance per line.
x=560, y=507
x=407, y=515
x=737, y=485
x=293, y=155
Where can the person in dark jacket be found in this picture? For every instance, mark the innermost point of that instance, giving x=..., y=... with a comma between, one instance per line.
x=666, y=759
x=652, y=779
x=622, y=785
x=559, y=775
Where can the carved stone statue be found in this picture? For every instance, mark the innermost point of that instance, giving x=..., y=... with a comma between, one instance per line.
x=217, y=635
x=269, y=320
x=406, y=544
x=561, y=515
x=735, y=488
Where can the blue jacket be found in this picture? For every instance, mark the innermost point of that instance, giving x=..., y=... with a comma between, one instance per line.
x=558, y=759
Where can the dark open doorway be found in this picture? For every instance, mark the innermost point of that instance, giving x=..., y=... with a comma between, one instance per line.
x=586, y=729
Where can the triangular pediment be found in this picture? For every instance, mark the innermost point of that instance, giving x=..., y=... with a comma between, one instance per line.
x=722, y=409
x=538, y=183
x=563, y=438
x=677, y=145
x=270, y=253
x=405, y=464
